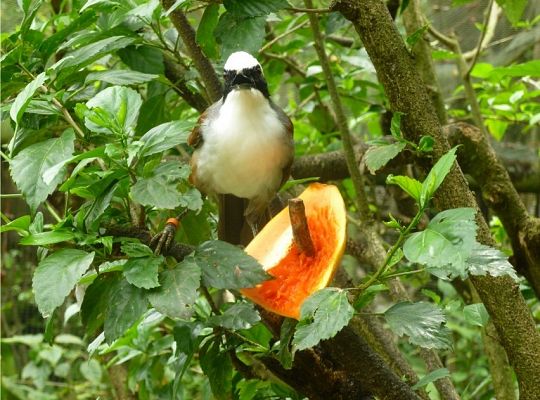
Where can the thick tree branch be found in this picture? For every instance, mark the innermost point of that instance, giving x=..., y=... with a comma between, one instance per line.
x=406, y=93
x=478, y=159
x=174, y=73
x=201, y=62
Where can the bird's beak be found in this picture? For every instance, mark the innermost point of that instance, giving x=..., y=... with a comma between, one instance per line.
x=241, y=81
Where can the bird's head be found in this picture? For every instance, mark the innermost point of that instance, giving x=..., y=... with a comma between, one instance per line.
x=243, y=71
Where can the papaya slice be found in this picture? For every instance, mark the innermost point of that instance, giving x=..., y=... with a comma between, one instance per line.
x=297, y=275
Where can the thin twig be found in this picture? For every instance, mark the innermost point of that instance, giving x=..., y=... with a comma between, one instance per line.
x=279, y=37
x=490, y=21
x=309, y=10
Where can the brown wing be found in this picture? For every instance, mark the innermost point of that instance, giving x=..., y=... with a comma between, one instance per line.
x=196, y=138
x=289, y=127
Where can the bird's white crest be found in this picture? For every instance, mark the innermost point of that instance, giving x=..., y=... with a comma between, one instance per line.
x=240, y=60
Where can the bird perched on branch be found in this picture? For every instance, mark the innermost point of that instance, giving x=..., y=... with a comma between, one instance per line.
x=243, y=148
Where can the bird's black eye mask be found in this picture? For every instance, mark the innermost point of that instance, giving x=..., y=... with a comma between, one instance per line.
x=250, y=77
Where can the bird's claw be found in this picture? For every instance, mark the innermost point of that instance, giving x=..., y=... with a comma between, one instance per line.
x=164, y=239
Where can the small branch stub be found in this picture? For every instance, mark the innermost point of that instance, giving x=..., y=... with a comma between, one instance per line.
x=300, y=229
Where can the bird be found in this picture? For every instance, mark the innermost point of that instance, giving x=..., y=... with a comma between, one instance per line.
x=243, y=147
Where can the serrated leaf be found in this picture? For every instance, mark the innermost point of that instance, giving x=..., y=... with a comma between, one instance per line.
x=236, y=33
x=96, y=301
x=28, y=166
x=476, y=314
x=126, y=305
x=238, y=316
x=178, y=290
x=217, y=366
x=484, y=259
x=23, y=98
x=225, y=266
x=205, y=31
x=421, y=322
x=377, y=157
x=134, y=249
x=143, y=271
x=436, y=176
x=120, y=77
x=409, y=185
x=164, y=137
x=431, y=377
x=159, y=190
x=426, y=144
x=115, y=108
x=322, y=316
x=56, y=276
x=254, y=8
x=445, y=244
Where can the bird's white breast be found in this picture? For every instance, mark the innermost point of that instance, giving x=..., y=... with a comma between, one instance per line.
x=245, y=147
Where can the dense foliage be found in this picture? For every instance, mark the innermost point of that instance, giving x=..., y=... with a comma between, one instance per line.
x=98, y=100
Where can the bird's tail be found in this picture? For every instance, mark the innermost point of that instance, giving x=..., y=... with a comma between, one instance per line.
x=232, y=221
x=237, y=220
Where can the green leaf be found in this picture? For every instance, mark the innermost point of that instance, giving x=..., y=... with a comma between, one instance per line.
x=436, y=176
x=23, y=98
x=322, y=316
x=238, y=316
x=431, y=377
x=421, y=322
x=529, y=68
x=426, y=144
x=143, y=59
x=416, y=36
x=45, y=238
x=96, y=301
x=285, y=356
x=120, y=77
x=205, y=31
x=164, y=137
x=87, y=54
x=377, y=157
x=91, y=371
x=28, y=167
x=254, y=8
x=50, y=45
x=192, y=200
x=127, y=304
x=217, y=366
x=178, y=290
x=161, y=189
x=476, y=314
x=409, y=185
x=135, y=249
x=445, y=244
x=484, y=259
x=20, y=224
x=225, y=266
x=395, y=124
x=513, y=9
x=367, y=296
x=56, y=276
x=117, y=109
x=143, y=271
x=239, y=34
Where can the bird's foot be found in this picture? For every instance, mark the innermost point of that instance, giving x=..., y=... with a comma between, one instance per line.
x=164, y=239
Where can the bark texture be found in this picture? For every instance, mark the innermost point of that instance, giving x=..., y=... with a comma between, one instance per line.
x=406, y=93
x=478, y=159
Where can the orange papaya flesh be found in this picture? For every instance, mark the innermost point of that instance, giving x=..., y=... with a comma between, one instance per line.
x=296, y=275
